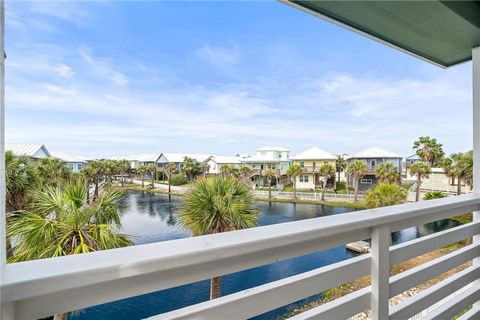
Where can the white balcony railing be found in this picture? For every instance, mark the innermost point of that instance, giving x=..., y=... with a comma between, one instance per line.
x=41, y=288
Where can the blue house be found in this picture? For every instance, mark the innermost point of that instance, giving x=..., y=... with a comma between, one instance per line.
x=374, y=157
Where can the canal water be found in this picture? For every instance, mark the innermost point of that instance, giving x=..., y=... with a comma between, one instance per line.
x=150, y=218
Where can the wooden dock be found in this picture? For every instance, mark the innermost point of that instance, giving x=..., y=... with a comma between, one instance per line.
x=359, y=246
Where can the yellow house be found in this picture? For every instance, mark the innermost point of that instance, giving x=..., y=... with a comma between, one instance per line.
x=311, y=160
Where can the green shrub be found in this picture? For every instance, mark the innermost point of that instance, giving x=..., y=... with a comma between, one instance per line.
x=341, y=185
x=386, y=194
x=434, y=195
x=179, y=179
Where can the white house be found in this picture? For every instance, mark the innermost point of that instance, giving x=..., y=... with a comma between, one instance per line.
x=75, y=163
x=178, y=158
x=31, y=151
x=137, y=160
x=276, y=158
x=216, y=162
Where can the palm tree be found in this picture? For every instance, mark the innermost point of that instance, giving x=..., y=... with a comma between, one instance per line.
x=357, y=170
x=152, y=170
x=293, y=172
x=19, y=178
x=387, y=173
x=453, y=169
x=110, y=169
x=124, y=169
x=340, y=165
x=326, y=171
x=467, y=168
x=188, y=166
x=245, y=171
x=62, y=223
x=218, y=204
x=142, y=170
x=169, y=169
x=420, y=170
x=429, y=150
x=51, y=172
x=269, y=174
x=89, y=175
x=98, y=169
x=225, y=169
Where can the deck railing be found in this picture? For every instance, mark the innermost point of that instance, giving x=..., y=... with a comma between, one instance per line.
x=41, y=288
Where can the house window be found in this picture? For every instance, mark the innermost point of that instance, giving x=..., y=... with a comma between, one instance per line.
x=372, y=163
x=314, y=164
x=302, y=164
x=366, y=181
x=303, y=178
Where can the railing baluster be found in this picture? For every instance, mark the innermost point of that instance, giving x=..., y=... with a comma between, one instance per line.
x=380, y=272
x=7, y=311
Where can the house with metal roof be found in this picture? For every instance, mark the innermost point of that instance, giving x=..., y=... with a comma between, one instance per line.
x=216, y=162
x=32, y=151
x=373, y=158
x=178, y=158
x=310, y=161
x=75, y=163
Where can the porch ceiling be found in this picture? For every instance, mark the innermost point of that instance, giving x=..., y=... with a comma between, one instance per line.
x=441, y=32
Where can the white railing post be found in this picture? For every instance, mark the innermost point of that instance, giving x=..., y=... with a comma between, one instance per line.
x=7, y=311
x=380, y=270
x=476, y=140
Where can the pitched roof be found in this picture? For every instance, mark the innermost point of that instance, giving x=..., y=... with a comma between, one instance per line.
x=375, y=152
x=314, y=154
x=66, y=157
x=179, y=157
x=268, y=148
x=260, y=159
x=225, y=159
x=26, y=150
x=414, y=157
x=137, y=157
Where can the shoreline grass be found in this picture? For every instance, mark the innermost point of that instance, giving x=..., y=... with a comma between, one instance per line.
x=344, y=204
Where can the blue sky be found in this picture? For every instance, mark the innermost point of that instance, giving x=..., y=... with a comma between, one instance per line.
x=118, y=78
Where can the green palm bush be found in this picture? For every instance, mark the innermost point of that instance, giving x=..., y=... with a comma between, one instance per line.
x=60, y=222
x=386, y=194
x=218, y=204
x=434, y=195
x=178, y=179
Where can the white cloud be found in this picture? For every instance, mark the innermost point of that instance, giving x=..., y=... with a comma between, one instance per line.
x=223, y=58
x=341, y=113
x=103, y=68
